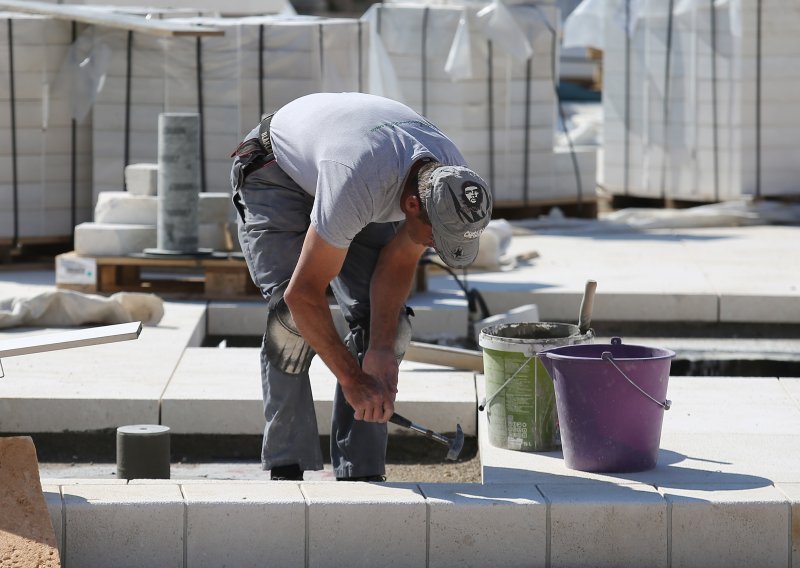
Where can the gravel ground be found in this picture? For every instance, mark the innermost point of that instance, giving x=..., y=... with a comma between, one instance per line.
x=409, y=459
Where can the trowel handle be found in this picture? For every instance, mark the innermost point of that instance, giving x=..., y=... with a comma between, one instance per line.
x=585, y=316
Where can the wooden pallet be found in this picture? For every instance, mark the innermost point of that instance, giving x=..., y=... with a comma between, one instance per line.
x=27, y=250
x=585, y=208
x=175, y=277
x=626, y=201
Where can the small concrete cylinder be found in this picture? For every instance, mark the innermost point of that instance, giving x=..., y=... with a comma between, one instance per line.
x=179, y=181
x=143, y=452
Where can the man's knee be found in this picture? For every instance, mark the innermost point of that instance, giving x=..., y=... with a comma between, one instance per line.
x=286, y=348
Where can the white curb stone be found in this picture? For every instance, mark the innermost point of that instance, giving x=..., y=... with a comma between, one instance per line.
x=365, y=524
x=125, y=526
x=486, y=525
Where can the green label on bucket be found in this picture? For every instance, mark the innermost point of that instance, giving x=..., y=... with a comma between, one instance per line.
x=523, y=415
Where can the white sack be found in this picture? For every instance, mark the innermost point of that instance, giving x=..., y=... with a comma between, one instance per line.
x=61, y=308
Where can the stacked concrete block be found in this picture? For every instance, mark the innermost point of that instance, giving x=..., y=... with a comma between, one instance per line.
x=126, y=222
x=259, y=64
x=45, y=156
x=698, y=107
x=142, y=179
x=770, y=96
x=503, y=114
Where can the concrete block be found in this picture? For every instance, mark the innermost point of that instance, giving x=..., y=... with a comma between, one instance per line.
x=792, y=386
x=52, y=498
x=605, y=524
x=215, y=208
x=96, y=239
x=485, y=525
x=365, y=524
x=70, y=481
x=792, y=493
x=215, y=236
x=125, y=208
x=132, y=526
x=237, y=318
x=141, y=179
x=59, y=390
x=751, y=406
x=245, y=539
x=728, y=526
x=438, y=397
x=215, y=391
x=438, y=314
x=768, y=308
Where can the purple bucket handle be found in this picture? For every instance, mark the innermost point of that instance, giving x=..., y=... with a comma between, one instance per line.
x=607, y=356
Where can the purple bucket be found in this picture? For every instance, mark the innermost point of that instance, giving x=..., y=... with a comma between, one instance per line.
x=610, y=400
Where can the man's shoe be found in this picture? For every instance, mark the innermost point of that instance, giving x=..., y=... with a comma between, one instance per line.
x=376, y=478
x=286, y=473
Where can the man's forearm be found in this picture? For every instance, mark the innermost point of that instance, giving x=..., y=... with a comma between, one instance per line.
x=312, y=315
x=390, y=287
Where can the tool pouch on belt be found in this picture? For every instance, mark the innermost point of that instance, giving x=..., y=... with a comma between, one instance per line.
x=252, y=154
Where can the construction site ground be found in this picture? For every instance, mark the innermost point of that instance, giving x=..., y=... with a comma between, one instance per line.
x=725, y=491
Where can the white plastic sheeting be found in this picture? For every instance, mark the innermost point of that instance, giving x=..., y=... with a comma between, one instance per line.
x=485, y=74
x=260, y=64
x=700, y=101
x=45, y=158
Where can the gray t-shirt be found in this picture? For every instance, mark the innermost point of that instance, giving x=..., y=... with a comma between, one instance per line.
x=352, y=152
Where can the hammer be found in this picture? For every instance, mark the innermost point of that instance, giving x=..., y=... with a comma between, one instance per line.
x=454, y=446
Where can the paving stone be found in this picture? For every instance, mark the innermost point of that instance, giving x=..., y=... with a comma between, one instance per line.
x=792, y=493
x=133, y=526
x=728, y=526
x=245, y=537
x=52, y=497
x=485, y=525
x=219, y=391
x=59, y=390
x=366, y=524
x=605, y=524
x=728, y=405
x=773, y=308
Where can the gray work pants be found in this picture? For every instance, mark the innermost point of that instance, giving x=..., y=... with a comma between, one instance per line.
x=274, y=215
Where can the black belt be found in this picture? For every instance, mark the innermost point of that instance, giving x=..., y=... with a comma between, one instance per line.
x=255, y=153
x=263, y=133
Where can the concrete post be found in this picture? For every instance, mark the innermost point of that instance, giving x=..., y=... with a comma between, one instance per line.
x=143, y=452
x=178, y=182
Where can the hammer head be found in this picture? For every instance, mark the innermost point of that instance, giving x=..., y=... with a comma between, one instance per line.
x=456, y=444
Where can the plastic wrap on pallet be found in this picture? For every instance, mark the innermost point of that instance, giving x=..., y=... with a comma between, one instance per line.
x=260, y=64
x=700, y=99
x=45, y=146
x=485, y=74
x=184, y=8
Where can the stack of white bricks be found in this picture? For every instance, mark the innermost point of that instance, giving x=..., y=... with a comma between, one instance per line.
x=219, y=77
x=695, y=110
x=502, y=110
x=126, y=222
x=38, y=142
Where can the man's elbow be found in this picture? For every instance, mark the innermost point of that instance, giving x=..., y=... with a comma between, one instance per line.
x=292, y=297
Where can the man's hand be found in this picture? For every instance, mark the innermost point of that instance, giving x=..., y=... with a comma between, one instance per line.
x=382, y=364
x=370, y=397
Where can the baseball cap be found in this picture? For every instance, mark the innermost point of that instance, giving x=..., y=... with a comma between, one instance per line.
x=459, y=207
